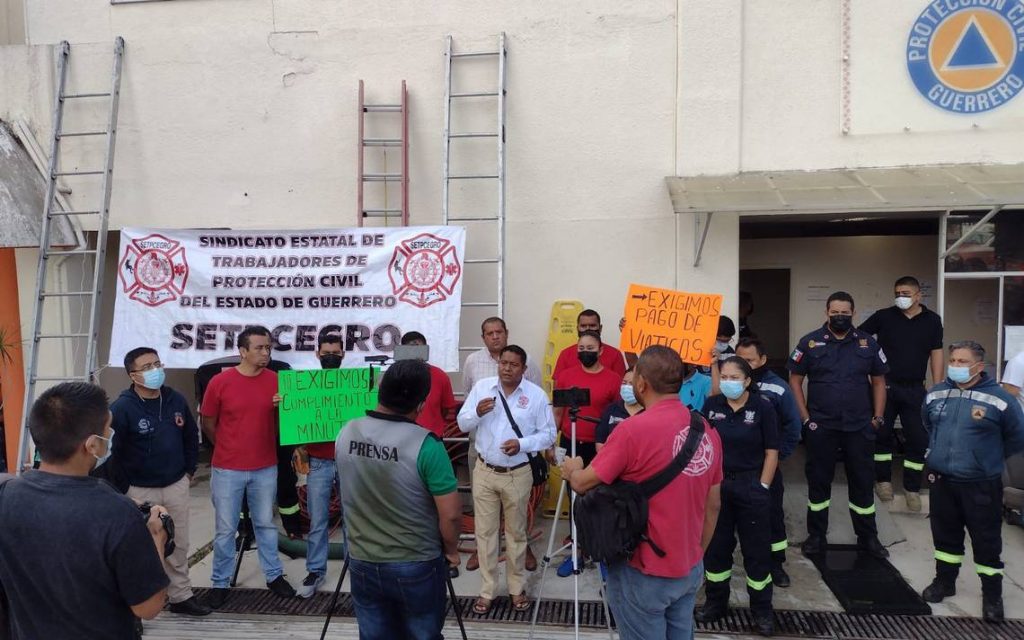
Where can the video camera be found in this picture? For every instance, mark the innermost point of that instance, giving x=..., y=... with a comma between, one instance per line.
x=167, y=521
x=573, y=398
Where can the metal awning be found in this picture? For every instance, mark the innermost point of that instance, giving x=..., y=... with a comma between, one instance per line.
x=883, y=189
x=22, y=192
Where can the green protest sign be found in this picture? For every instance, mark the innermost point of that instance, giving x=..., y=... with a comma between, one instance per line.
x=316, y=403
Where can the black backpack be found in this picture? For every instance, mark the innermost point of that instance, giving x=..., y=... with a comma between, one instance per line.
x=611, y=519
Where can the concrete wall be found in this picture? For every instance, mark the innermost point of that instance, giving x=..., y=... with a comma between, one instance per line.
x=242, y=113
x=12, y=22
x=866, y=267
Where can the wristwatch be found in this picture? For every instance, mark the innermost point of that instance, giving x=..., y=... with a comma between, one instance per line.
x=877, y=420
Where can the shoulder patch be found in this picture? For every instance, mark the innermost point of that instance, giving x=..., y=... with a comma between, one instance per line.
x=797, y=355
x=881, y=356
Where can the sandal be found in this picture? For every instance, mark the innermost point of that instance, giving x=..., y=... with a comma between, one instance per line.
x=482, y=606
x=521, y=602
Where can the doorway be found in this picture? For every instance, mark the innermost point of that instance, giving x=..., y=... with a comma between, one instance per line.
x=768, y=319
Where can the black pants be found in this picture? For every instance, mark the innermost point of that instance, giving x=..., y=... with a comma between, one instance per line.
x=823, y=449
x=778, y=519
x=287, y=493
x=903, y=400
x=978, y=508
x=585, y=450
x=745, y=512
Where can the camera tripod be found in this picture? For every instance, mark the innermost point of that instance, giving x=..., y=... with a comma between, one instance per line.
x=341, y=579
x=574, y=411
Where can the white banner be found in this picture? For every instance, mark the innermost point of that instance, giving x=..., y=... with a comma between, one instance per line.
x=188, y=293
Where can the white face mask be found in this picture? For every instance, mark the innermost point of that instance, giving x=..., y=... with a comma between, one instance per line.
x=904, y=302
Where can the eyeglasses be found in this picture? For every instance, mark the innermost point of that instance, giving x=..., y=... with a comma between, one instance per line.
x=149, y=367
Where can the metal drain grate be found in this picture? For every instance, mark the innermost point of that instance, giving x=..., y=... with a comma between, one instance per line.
x=794, y=624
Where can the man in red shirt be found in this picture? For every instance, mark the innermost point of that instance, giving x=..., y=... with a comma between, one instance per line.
x=239, y=418
x=440, y=403
x=654, y=595
x=590, y=320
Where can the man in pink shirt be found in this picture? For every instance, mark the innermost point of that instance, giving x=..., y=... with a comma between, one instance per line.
x=653, y=595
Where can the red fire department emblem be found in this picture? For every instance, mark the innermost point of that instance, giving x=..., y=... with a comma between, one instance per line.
x=702, y=459
x=153, y=270
x=424, y=270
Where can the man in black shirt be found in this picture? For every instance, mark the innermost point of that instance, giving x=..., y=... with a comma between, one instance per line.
x=77, y=559
x=911, y=336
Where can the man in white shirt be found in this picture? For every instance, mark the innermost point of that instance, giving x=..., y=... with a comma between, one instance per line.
x=1013, y=377
x=484, y=363
x=502, y=478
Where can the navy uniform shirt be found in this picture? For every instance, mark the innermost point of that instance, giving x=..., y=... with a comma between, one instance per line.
x=838, y=383
x=746, y=434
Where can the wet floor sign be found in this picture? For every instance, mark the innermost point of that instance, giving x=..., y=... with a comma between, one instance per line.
x=561, y=334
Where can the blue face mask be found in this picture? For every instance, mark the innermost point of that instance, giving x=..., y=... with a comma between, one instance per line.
x=110, y=448
x=627, y=393
x=732, y=389
x=153, y=378
x=959, y=374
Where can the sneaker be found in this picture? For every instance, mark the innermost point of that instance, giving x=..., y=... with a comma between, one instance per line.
x=913, y=500
x=309, y=586
x=938, y=590
x=190, y=607
x=216, y=597
x=565, y=569
x=884, y=491
x=280, y=587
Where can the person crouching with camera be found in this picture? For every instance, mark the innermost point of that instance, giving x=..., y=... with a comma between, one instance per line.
x=77, y=559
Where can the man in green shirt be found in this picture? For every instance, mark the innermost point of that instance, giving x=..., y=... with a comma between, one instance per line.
x=402, y=511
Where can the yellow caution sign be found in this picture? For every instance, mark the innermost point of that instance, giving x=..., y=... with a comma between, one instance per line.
x=561, y=334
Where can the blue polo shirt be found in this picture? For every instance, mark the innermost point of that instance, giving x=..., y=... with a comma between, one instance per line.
x=695, y=390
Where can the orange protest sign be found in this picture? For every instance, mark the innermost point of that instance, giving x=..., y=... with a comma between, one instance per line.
x=684, y=322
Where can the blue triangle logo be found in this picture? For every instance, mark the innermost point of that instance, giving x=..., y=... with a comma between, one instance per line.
x=972, y=51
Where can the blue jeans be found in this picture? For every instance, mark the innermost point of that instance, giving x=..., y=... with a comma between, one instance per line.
x=320, y=482
x=227, y=488
x=399, y=599
x=648, y=607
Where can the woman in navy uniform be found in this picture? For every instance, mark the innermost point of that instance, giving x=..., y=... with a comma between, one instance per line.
x=749, y=429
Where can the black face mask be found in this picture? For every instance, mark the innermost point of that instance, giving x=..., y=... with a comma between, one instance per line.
x=587, y=358
x=330, y=361
x=840, y=324
x=758, y=373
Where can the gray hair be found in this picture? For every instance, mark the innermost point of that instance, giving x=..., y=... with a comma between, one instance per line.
x=975, y=348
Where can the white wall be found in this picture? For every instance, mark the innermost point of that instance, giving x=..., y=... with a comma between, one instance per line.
x=242, y=113
x=12, y=22
x=865, y=267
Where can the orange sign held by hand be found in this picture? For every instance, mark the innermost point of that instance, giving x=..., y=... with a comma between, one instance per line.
x=684, y=322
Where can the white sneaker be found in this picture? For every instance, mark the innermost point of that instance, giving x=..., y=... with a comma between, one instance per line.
x=309, y=586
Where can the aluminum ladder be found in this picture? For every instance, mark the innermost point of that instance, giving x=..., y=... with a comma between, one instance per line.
x=497, y=217
x=89, y=298
x=385, y=211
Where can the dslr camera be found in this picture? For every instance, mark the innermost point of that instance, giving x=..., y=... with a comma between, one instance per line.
x=168, y=523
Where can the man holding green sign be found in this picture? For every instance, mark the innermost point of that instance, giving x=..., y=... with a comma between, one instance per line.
x=313, y=406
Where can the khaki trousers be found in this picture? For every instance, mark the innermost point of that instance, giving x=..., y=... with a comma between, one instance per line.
x=492, y=493
x=174, y=498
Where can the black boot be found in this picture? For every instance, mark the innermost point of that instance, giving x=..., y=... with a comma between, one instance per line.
x=992, y=598
x=764, y=622
x=779, y=576
x=712, y=610
x=813, y=546
x=872, y=546
x=940, y=589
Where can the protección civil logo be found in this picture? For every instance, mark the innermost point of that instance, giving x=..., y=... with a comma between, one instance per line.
x=967, y=56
